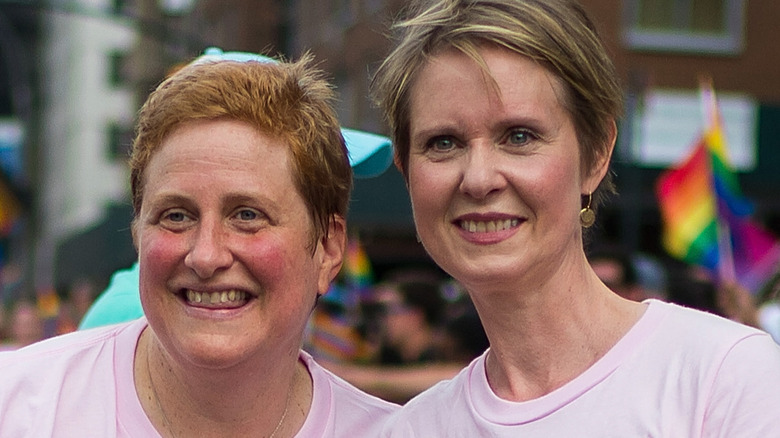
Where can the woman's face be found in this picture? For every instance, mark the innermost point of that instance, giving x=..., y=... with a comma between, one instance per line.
x=226, y=265
x=494, y=172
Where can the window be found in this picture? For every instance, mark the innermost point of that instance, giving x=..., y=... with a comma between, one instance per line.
x=118, y=68
x=686, y=26
x=120, y=141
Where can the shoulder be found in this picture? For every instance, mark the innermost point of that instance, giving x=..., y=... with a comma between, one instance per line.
x=700, y=327
x=446, y=391
x=76, y=356
x=445, y=409
x=53, y=383
x=64, y=346
x=333, y=397
x=449, y=392
x=725, y=353
x=343, y=391
x=701, y=341
x=733, y=369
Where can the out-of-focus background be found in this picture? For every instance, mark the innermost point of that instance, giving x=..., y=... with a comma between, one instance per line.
x=74, y=72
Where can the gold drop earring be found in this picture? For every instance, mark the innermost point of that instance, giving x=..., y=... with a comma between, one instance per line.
x=587, y=215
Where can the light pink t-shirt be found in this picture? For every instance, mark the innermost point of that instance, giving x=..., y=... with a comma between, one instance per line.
x=81, y=385
x=677, y=373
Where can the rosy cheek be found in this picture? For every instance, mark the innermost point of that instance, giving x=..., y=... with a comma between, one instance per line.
x=266, y=257
x=161, y=246
x=159, y=253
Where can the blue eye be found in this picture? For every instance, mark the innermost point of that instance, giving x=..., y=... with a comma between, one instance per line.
x=247, y=215
x=175, y=219
x=176, y=216
x=441, y=144
x=519, y=137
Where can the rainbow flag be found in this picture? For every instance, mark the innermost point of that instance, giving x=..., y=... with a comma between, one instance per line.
x=335, y=338
x=358, y=272
x=707, y=220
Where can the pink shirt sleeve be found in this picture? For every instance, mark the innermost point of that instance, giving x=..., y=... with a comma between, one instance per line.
x=746, y=389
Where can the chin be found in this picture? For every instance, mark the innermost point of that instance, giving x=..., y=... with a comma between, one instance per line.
x=217, y=354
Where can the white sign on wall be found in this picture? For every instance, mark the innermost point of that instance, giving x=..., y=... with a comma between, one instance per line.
x=669, y=122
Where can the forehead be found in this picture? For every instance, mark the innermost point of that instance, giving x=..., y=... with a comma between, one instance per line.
x=498, y=69
x=453, y=83
x=223, y=134
x=215, y=149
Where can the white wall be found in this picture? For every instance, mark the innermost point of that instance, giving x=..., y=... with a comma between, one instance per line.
x=76, y=176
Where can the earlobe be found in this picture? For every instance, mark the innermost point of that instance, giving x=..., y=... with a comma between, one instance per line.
x=333, y=247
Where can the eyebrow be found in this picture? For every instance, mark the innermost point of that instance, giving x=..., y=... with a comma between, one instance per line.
x=169, y=198
x=230, y=199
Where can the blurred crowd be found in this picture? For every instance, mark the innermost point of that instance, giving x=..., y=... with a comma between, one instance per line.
x=25, y=319
x=398, y=334
x=640, y=276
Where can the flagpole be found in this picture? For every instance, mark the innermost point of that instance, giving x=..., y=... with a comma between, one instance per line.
x=726, y=270
x=727, y=273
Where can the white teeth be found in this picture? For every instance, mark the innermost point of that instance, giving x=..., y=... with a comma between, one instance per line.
x=488, y=226
x=232, y=296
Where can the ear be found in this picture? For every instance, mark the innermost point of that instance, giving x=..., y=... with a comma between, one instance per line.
x=134, y=233
x=331, y=253
x=399, y=165
x=600, y=167
x=397, y=162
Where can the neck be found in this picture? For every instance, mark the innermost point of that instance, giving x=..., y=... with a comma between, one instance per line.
x=215, y=403
x=543, y=338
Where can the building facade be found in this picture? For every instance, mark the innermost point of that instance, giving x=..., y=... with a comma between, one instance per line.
x=97, y=60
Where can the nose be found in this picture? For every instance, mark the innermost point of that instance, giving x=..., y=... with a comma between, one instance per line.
x=482, y=174
x=208, y=252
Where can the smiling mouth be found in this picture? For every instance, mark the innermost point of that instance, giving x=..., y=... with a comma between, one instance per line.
x=216, y=300
x=487, y=226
